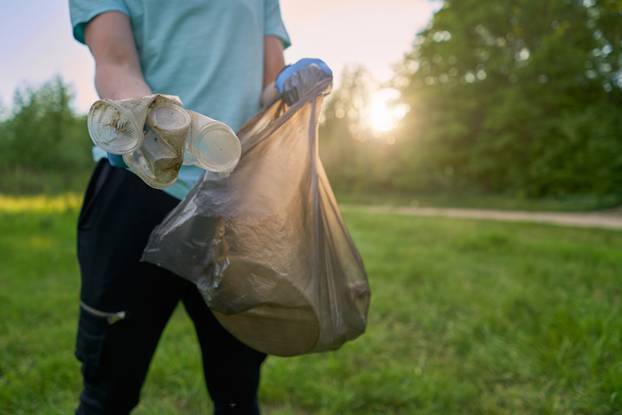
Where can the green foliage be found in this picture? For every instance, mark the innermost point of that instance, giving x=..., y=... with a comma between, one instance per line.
x=342, y=152
x=518, y=97
x=42, y=140
x=466, y=317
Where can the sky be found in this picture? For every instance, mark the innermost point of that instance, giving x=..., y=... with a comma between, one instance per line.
x=37, y=43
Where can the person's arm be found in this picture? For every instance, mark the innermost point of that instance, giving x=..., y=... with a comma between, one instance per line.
x=273, y=60
x=117, y=69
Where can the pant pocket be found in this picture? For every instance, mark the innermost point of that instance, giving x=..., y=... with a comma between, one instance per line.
x=96, y=183
x=93, y=327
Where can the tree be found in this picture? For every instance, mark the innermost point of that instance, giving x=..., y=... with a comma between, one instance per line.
x=516, y=95
x=42, y=135
x=42, y=131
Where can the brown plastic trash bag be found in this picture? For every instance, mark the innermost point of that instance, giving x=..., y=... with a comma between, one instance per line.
x=267, y=246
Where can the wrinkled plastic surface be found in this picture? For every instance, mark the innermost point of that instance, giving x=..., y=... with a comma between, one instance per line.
x=156, y=135
x=116, y=125
x=267, y=246
x=158, y=160
x=212, y=145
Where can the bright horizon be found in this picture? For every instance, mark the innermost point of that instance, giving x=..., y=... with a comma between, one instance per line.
x=38, y=43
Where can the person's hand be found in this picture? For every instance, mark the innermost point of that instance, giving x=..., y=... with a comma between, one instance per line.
x=290, y=83
x=303, y=64
x=116, y=160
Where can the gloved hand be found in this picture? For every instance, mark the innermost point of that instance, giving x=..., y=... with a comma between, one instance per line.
x=288, y=71
x=292, y=79
x=116, y=160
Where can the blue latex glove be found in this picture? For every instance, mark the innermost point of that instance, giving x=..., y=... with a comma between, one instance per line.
x=290, y=70
x=292, y=77
x=116, y=160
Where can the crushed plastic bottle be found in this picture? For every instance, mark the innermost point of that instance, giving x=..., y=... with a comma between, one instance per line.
x=156, y=135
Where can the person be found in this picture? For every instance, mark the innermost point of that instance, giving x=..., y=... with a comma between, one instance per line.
x=217, y=56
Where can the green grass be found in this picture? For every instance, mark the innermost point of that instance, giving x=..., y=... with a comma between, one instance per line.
x=28, y=182
x=21, y=182
x=568, y=203
x=467, y=317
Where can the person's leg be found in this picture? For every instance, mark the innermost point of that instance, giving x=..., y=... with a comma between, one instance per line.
x=231, y=368
x=124, y=303
x=115, y=357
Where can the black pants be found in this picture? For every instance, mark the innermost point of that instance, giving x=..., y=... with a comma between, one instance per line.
x=125, y=304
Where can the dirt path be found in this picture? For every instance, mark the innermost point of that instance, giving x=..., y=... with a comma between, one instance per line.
x=606, y=220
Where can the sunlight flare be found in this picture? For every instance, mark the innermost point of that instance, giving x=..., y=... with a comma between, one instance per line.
x=383, y=112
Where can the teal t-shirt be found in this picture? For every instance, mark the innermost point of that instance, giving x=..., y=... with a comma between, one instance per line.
x=207, y=52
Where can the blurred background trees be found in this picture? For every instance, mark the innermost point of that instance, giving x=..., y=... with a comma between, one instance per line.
x=44, y=145
x=520, y=98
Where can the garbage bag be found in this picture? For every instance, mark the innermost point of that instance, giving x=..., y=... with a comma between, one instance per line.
x=266, y=246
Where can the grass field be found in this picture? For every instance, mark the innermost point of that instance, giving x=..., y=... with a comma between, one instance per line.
x=586, y=203
x=28, y=183
x=467, y=317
